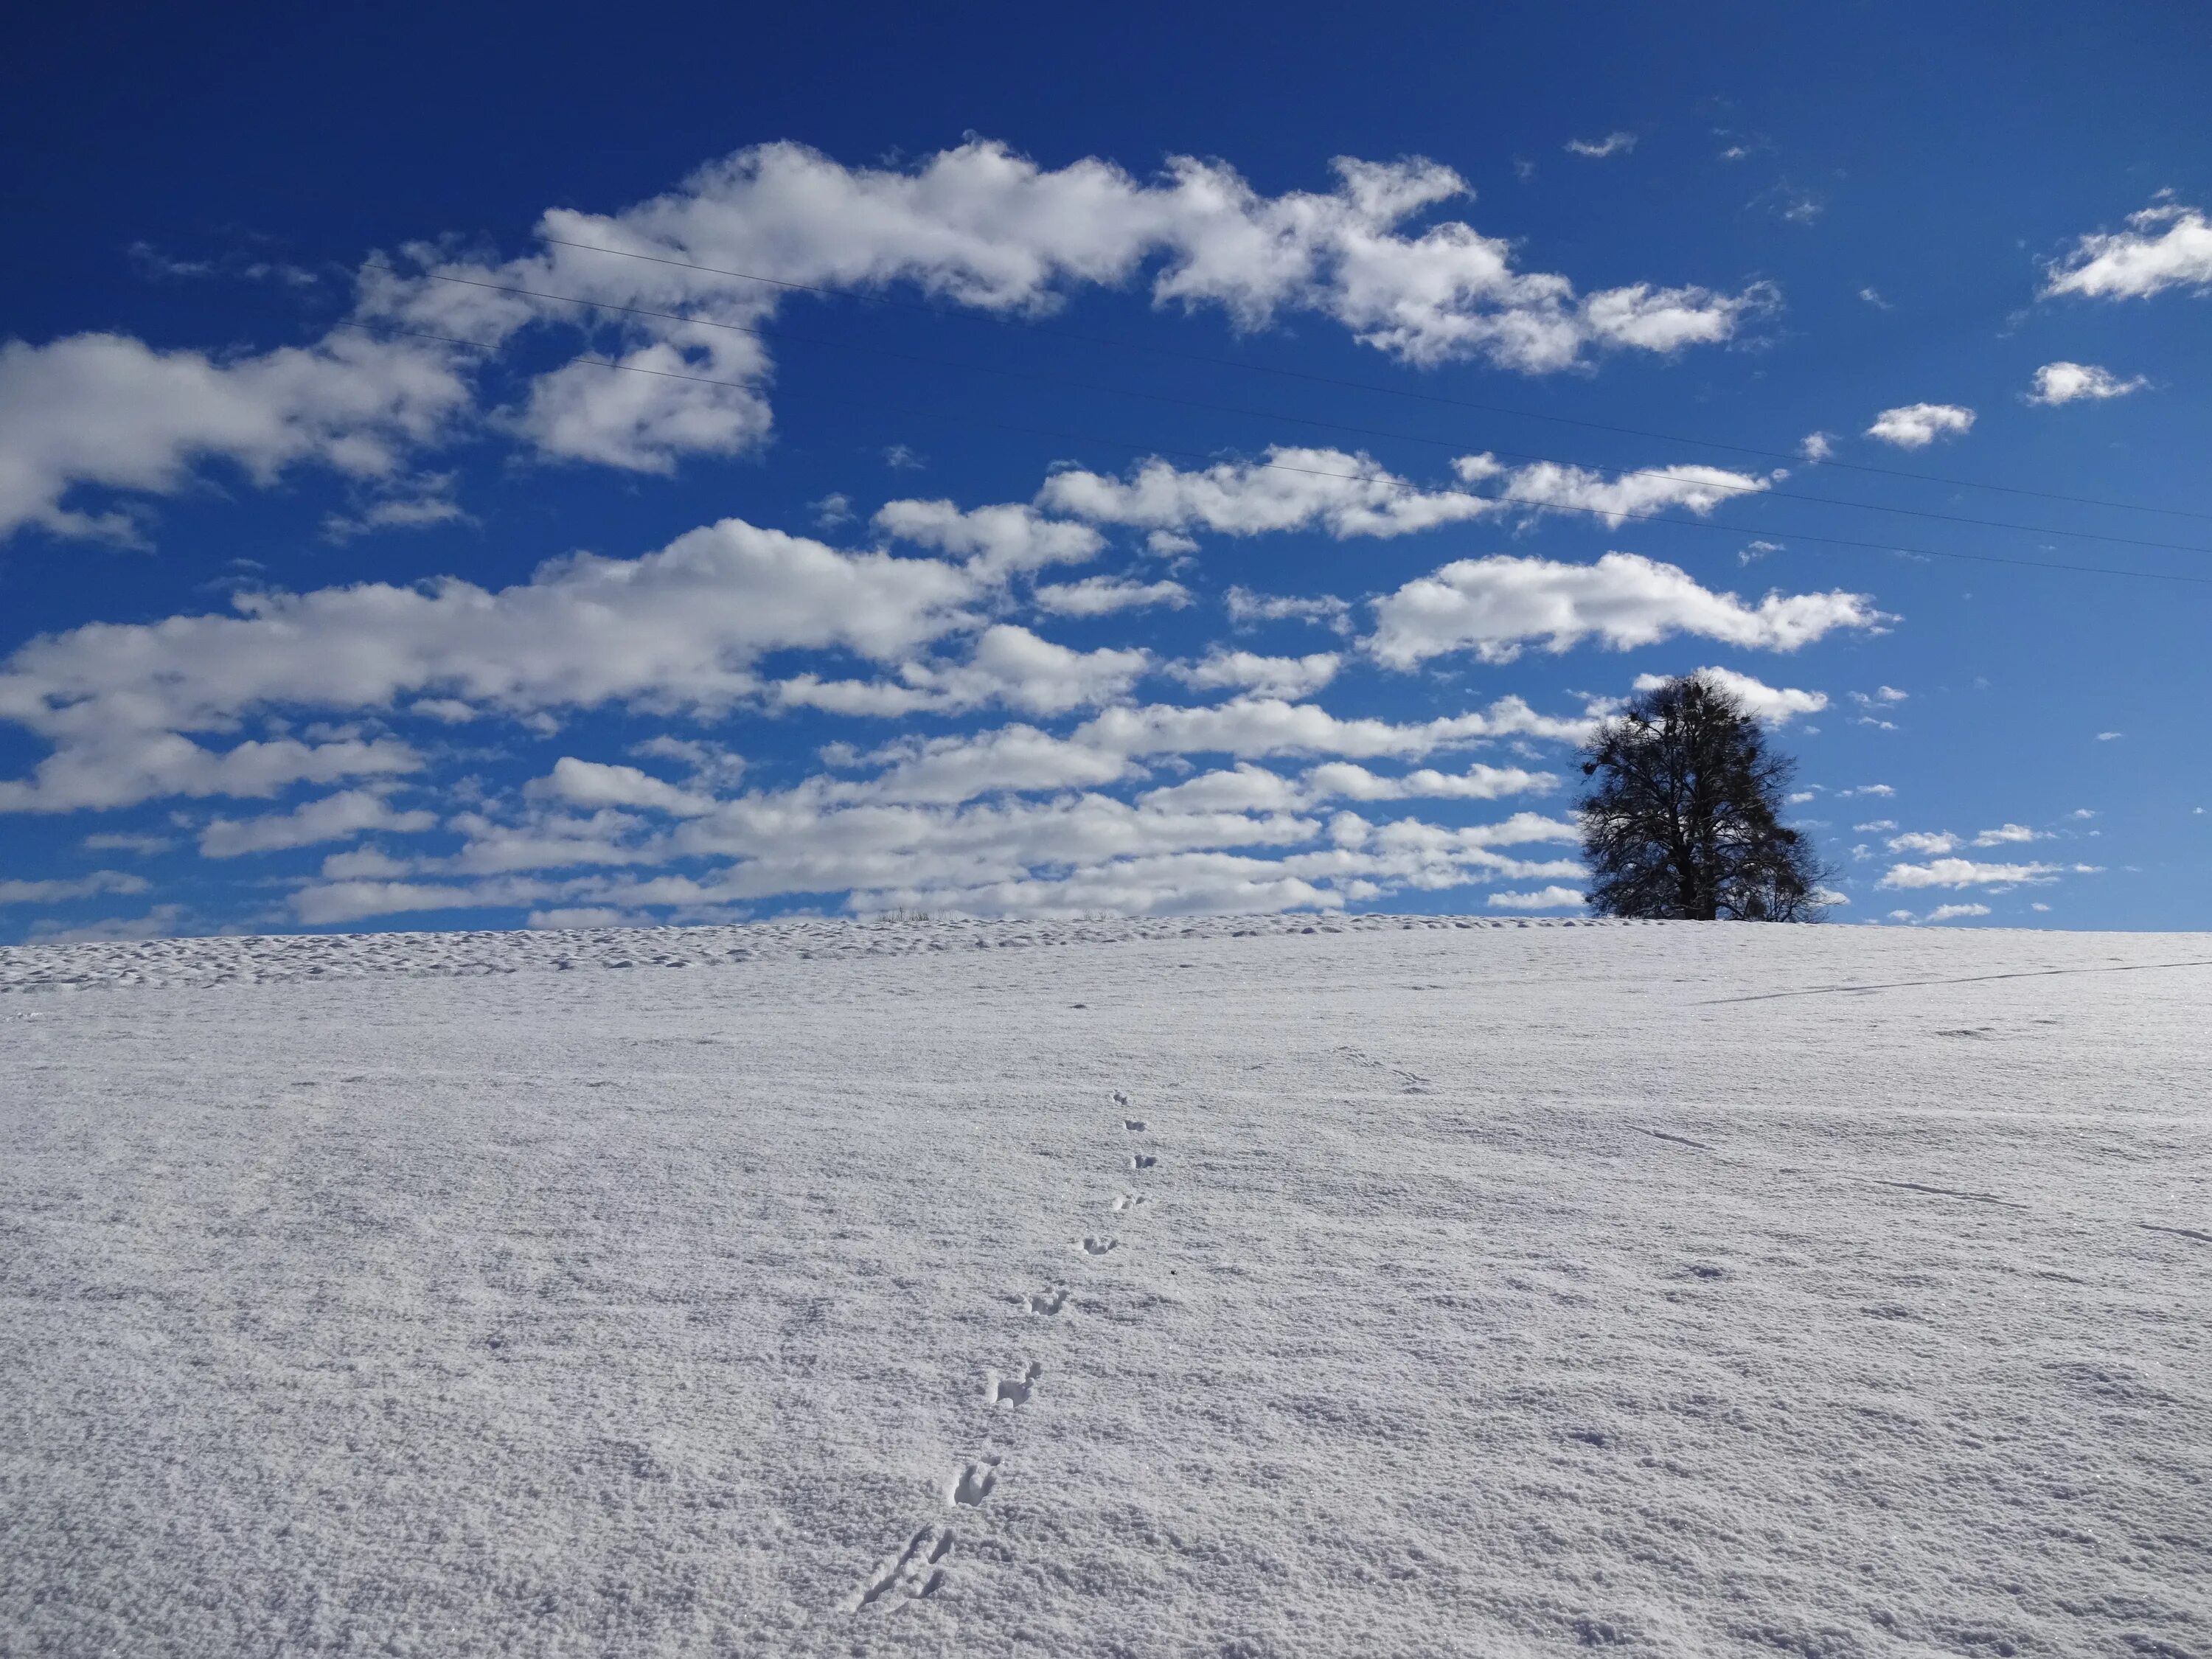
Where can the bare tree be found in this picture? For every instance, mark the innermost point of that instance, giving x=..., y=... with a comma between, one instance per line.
x=1683, y=815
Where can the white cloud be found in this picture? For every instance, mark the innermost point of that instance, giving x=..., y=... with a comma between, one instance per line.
x=2005, y=833
x=1875, y=826
x=1776, y=706
x=1817, y=446
x=1549, y=898
x=1098, y=596
x=1497, y=604
x=2110, y=737
x=1915, y=426
x=2065, y=382
x=1880, y=789
x=1965, y=872
x=333, y=817
x=1614, y=143
x=1295, y=488
x=1344, y=781
x=76, y=887
x=1953, y=912
x=1921, y=841
x=2164, y=246
x=679, y=628
x=1007, y=664
x=997, y=540
x=582, y=915
x=117, y=841
x=982, y=227
x=108, y=411
x=1881, y=693
x=1873, y=297
x=1288, y=678
x=595, y=784
x=1246, y=608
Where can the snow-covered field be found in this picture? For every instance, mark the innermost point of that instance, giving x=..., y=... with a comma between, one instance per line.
x=1220, y=1287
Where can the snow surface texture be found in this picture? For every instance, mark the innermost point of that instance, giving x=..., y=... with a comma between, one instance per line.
x=1366, y=1286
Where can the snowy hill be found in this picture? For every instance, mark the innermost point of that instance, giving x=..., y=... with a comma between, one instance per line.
x=1291, y=1285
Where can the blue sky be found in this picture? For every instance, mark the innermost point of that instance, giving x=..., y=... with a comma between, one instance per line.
x=1212, y=462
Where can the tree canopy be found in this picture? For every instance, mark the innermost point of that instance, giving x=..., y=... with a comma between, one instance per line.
x=1682, y=818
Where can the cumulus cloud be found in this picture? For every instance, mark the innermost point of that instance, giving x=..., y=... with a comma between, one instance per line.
x=1007, y=664
x=679, y=628
x=1776, y=706
x=1548, y=898
x=1817, y=446
x=2005, y=833
x=1966, y=872
x=74, y=887
x=2164, y=246
x=1954, y=912
x=1915, y=426
x=1346, y=495
x=977, y=226
x=1098, y=596
x=1246, y=609
x=1614, y=143
x=1288, y=678
x=108, y=411
x=1921, y=841
x=333, y=817
x=2065, y=383
x=995, y=540
x=1497, y=605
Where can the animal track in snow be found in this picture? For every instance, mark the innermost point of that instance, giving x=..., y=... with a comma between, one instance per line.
x=1016, y=1390
x=1048, y=1302
x=974, y=1483
x=1121, y=1098
x=1096, y=1246
x=1135, y=1125
x=1129, y=1200
x=1142, y=1160
x=915, y=1573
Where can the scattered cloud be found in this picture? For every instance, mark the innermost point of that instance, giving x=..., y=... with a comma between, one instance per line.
x=1875, y=826
x=1495, y=606
x=2164, y=246
x=1246, y=609
x=1915, y=426
x=1614, y=143
x=1873, y=297
x=1955, y=912
x=340, y=816
x=1548, y=898
x=2066, y=383
x=74, y=887
x=1817, y=446
x=2007, y=833
x=1965, y=872
x=1776, y=706
x=2110, y=737
x=1096, y=595
x=1288, y=678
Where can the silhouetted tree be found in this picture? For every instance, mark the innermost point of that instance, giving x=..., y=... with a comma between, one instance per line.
x=1683, y=815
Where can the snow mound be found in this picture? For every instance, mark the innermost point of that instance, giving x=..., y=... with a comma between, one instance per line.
x=1236, y=1286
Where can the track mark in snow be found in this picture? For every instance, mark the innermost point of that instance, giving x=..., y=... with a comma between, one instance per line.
x=1129, y=1200
x=1953, y=1192
x=1096, y=1246
x=915, y=1573
x=1142, y=1160
x=1016, y=1390
x=1120, y=1098
x=974, y=1483
x=1680, y=1140
x=1970, y=1031
x=2179, y=1232
x=1969, y=979
x=1135, y=1125
x=1048, y=1302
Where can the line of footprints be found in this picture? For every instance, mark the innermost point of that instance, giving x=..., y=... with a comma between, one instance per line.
x=922, y=1570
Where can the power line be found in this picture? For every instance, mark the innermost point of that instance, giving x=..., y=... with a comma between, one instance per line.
x=1270, y=415
x=1352, y=478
